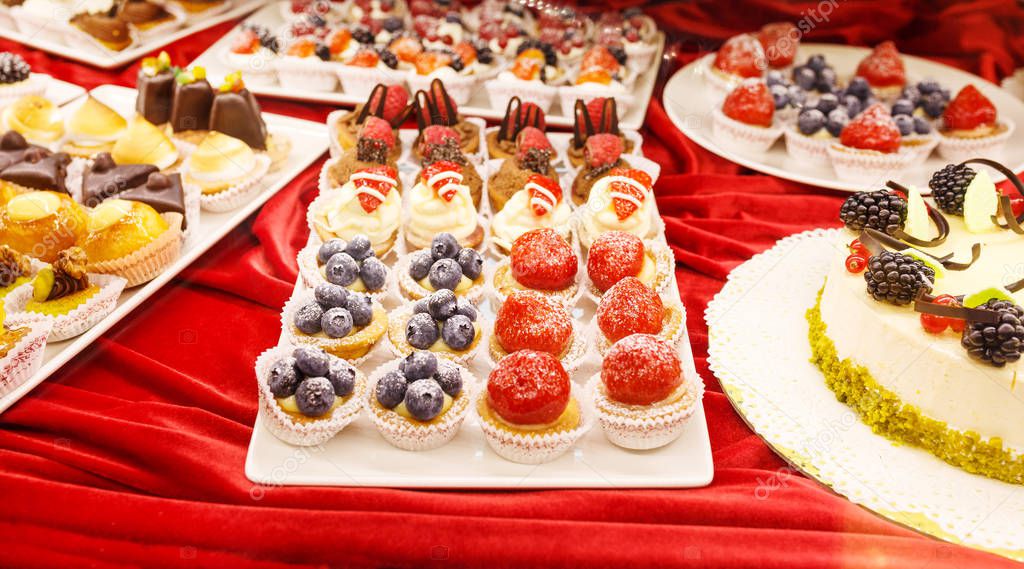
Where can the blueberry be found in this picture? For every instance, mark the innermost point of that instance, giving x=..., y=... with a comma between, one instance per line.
x=902, y=107
x=780, y=94
x=458, y=332
x=373, y=273
x=945, y=94
x=471, y=262
x=323, y=52
x=816, y=62
x=393, y=24
x=342, y=269
x=905, y=123
x=922, y=126
x=449, y=378
x=421, y=331
x=418, y=365
x=911, y=93
x=446, y=273
x=810, y=121
x=797, y=96
x=390, y=389
x=342, y=376
x=315, y=396
x=307, y=318
x=359, y=247
x=837, y=119
x=311, y=361
x=360, y=307
x=422, y=305
x=442, y=304
x=330, y=295
x=424, y=400
x=928, y=86
x=827, y=103
x=444, y=246
x=419, y=265
x=933, y=105
x=774, y=77
x=466, y=308
x=804, y=77
x=284, y=378
x=859, y=87
x=337, y=322
x=852, y=105
x=330, y=249
x=826, y=80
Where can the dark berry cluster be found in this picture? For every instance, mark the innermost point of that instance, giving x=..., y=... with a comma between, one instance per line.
x=999, y=343
x=444, y=316
x=334, y=311
x=388, y=57
x=483, y=53
x=362, y=34
x=266, y=37
x=13, y=68
x=927, y=95
x=949, y=186
x=550, y=57
x=421, y=382
x=897, y=278
x=881, y=210
x=315, y=378
x=345, y=262
x=445, y=263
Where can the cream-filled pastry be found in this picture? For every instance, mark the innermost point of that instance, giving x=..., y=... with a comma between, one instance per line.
x=36, y=118
x=220, y=162
x=441, y=203
x=620, y=201
x=144, y=143
x=93, y=128
x=539, y=204
x=367, y=204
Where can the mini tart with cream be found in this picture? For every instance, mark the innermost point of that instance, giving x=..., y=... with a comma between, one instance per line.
x=367, y=204
x=93, y=128
x=63, y=286
x=528, y=320
x=144, y=143
x=420, y=401
x=533, y=155
x=342, y=323
x=440, y=143
x=36, y=118
x=441, y=202
x=445, y=265
x=41, y=224
x=441, y=323
x=538, y=205
x=601, y=153
x=529, y=412
x=616, y=255
x=501, y=142
x=15, y=270
x=131, y=240
x=220, y=163
x=351, y=264
x=621, y=201
x=630, y=307
x=541, y=260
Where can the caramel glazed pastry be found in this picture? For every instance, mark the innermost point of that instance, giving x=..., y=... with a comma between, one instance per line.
x=105, y=26
x=603, y=118
x=501, y=143
x=438, y=108
x=350, y=125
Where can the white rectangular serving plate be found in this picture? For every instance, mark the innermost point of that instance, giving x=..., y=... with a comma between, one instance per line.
x=309, y=142
x=478, y=106
x=111, y=59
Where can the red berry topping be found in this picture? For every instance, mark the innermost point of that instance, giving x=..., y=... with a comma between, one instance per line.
x=340, y=40
x=531, y=114
x=602, y=150
x=779, y=41
x=528, y=320
x=934, y=324
x=614, y=256
x=595, y=109
x=858, y=248
x=532, y=137
x=969, y=110
x=741, y=55
x=442, y=100
x=247, y=41
x=446, y=176
x=856, y=263
x=873, y=129
x=545, y=194
x=955, y=324
x=367, y=57
x=541, y=259
x=750, y=103
x=628, y=196
x=629, y=307
x=529, y=388
x=437, y=135
x=405, y=48
x=641, y=369
x=377, y=129
x=396, y=98
x=883, y=67
x=598, y=57
x=371, y=189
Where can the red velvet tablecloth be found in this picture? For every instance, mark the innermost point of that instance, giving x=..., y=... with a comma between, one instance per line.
x=133, y=453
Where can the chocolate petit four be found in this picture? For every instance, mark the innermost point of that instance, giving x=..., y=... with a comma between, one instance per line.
x=236, y=113
x=39, y=170
x=135, y=182
x=437, y=108
x=501, y=143
x=597, y=116
x=155, y=84
x=193, y=101
x=13, y=148
x=144, y=14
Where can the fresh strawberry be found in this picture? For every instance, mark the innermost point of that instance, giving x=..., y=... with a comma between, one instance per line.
x=528, y=320
x=741, y=55
x=873, y=129
x=598, y=57
x=406, y=48
x=542, y=259
x=883, y=67
x=396, y=98
x=430, y=61
x=602, y=150
x=750, y=103
x=247, y=41
x=626, y=196
x=779, y=41
x=366, y=57
x=545, y=194
x=629, y=307
x=445, y=186
x=528, y=388
x=614, y=256
x=368, y=188
x=378, y=129
x=969, y=110
x=641, y=369
x=340, y=40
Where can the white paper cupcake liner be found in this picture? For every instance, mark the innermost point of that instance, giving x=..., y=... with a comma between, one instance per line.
x=382, y=250
x=258, y=69
x=640, y=55
x=568, y=94
x=571, y=360
x=295, y=338
x=400, y=348
x=665, y=263
x=953, y=149
x=160, y=30
x=36, y=84
x=143, y=265
x=360, y=81
x=807, y=148
x=240, y=193
x=309, y=270
x=648, y=426
x=921, y=146
x=529, y=448
x=866, y=166
x=311, y=73
x=672, y=336
x=75, y=322
x=459, y=87
x=25, y=358
x=500, y=91
x=741, y=137
x=411, y=436
x=413, y=291
x=313, y=432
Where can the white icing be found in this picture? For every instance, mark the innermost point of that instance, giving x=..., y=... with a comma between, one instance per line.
x=599, y=213
x=431, y=214
x=342, y=215
x=518, y=217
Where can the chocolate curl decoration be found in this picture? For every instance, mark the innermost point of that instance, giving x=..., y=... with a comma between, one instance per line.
x=925, y=304
x=1013, y=223
x=936, y=216
x=581, y=125
x=876, y=241
x=439, y=95
x=380, y=92
x=510, y=123
x=421, y=108
x=534, y=117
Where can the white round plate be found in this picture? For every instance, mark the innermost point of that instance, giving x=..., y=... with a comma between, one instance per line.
x=759, y=350
x=688, y=103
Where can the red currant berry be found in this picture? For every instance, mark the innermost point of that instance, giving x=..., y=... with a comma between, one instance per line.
x=856, y=264
x=933, y=324
x=858, y=248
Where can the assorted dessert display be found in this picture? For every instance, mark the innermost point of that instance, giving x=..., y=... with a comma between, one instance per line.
x=865, y=122
x=919, y=327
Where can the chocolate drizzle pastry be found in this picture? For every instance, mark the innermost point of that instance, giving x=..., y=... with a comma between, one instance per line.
x=68, y=273
x=583, y=126
x=516, y=118
x=13, y=266
x=155, y=84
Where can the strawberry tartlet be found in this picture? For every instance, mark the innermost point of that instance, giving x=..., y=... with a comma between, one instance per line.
x=741, y=57
x=631, y=307
x=746, y=121
x=541, y=260
x=972, y=127
x=884, y=71
x=869, y=149
x=530, y=320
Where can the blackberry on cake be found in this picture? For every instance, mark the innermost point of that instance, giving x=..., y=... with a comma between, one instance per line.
x=949, y=186
x=897, y=278
x=881, y=210
x=1000, y=343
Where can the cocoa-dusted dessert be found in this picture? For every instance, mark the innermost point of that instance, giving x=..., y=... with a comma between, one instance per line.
x=13, y=148
x=375, y=147
x=597, y=116
x=501, y=143
x=388, y=103
x=155, y=84
x=144, y=14
x=39, y=170
x=105, y=27
x=533, y=156
x=441, y=144
x=601, y=153
x=193, y=101
x=437, y=108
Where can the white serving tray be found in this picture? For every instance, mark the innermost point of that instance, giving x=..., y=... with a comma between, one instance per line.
x=110, y=59
x=689, y=102
x=309, y=142
x=478, y=106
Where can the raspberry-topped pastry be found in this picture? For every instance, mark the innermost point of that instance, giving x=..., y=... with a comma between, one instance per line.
x=541, y=260
x=631, y=307
x=746, y=120
x=601, y=154
x=440, y=202
x=597, y=116
x=621, y=201
x=441, y=323
x=538, y=204
x=389, y=103
x=884, y=71
x=375, y=147
x=443, y=265
x=501, y=142
x=616, y=255
x=436, y=107
x=367, y=204
x=869, y=147
x=533, y=156
x=441, y=143
x=529, y=320
x=971, y=127
x=643, y=397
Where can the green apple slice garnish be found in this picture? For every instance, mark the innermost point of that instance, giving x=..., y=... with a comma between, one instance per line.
x=981, y=202
x=976, y=299
x=929, y=261
x=918, y=223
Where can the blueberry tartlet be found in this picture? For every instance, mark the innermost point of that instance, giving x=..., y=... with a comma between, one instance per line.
x=420, y=401
x=441, y=323
x=446, y=265
x=350, y=264
x=342, y=323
